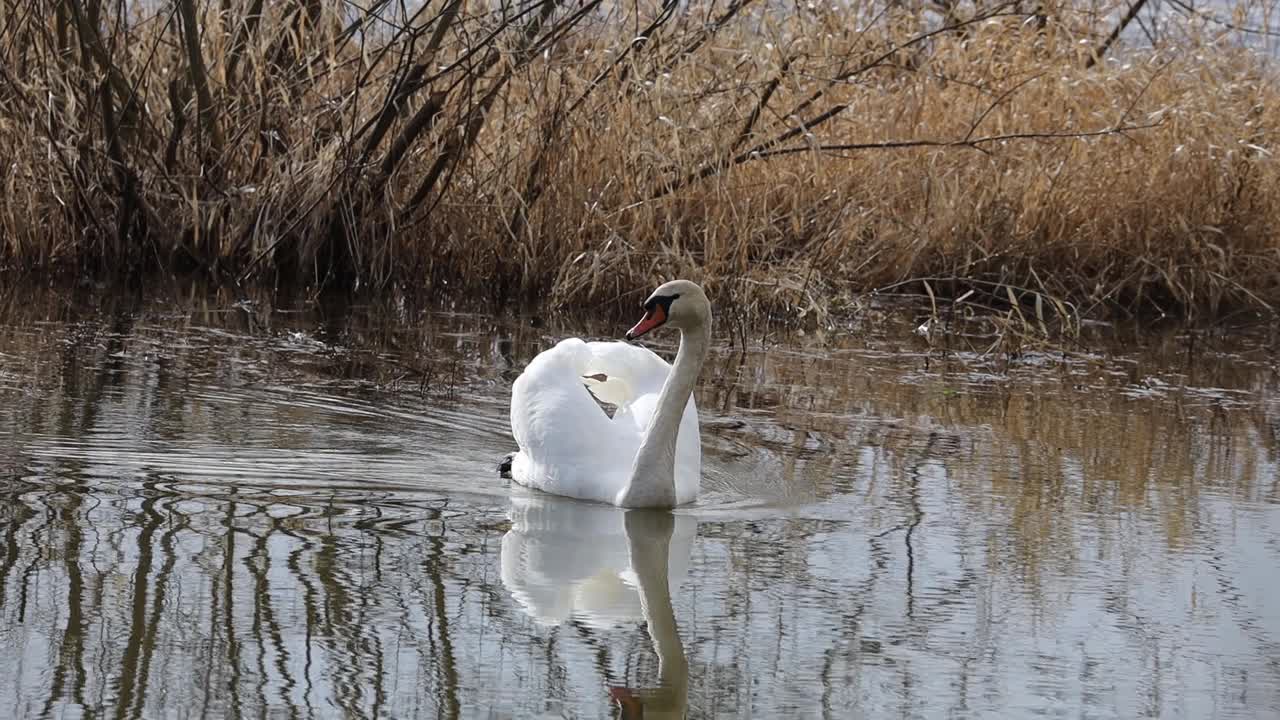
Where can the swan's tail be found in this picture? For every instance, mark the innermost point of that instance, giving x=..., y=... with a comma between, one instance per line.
x=504, y=466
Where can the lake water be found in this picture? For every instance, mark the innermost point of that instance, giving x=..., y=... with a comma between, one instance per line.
x=215, y=507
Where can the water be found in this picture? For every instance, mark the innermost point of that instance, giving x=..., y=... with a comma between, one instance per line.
x=219, y=508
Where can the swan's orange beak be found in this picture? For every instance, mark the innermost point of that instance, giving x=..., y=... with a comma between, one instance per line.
x=652, y=319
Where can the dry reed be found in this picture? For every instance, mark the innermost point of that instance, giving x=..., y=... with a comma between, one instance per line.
x=792, y=157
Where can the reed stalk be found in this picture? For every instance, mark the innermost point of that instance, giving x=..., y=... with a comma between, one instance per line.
x=791, y=157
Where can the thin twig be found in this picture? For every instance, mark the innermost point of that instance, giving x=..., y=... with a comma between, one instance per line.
x=1101, y=50
x=972, y=143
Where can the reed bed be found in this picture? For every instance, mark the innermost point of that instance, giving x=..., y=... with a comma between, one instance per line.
x=1075, y=157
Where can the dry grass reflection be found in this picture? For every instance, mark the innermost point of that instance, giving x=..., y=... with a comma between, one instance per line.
x=216, y=505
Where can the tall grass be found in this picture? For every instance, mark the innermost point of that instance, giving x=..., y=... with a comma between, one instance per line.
x=788, y=155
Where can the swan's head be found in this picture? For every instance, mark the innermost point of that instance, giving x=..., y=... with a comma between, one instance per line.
x=679, y=303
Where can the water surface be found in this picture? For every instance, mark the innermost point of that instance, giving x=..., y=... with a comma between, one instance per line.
x=215, y=506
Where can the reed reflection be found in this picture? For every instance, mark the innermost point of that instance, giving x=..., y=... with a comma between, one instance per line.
x=220, y=508
x=566, y=561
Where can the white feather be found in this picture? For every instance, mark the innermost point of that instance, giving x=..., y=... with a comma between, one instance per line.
x=569, y=445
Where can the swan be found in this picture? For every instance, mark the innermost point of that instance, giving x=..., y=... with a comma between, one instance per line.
x=566, y=561
x=648, y=454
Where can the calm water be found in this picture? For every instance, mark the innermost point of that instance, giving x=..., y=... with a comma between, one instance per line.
x=216, y=509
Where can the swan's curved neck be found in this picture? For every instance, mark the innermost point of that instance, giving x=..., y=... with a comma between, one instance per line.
x=653, y=476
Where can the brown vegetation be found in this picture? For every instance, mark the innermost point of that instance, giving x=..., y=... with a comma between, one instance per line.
x=788, y=155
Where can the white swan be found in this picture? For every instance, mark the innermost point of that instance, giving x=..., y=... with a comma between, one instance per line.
x=604, y=567
x=649, y=453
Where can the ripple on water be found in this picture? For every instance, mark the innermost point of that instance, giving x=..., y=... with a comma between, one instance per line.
x=299, y=508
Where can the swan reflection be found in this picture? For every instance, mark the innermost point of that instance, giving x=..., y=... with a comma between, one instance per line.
x=603, y=567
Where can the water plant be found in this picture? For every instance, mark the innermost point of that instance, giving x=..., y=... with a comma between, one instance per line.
x=791, y=157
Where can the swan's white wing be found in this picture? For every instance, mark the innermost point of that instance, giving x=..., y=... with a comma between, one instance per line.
x=568, y=445
x=643, y=373
x=635, y=379
x=632, y=371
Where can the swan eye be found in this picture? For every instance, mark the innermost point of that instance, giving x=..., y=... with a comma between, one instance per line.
x=661, y=300
x=656, y=311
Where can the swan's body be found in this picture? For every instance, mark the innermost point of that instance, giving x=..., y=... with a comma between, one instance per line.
x=570, y=446
x=649, y=453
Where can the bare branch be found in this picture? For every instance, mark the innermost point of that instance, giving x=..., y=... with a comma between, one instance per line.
x=715, y=166
x=205, y=112
x=967, y=142
x=1101, y=50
